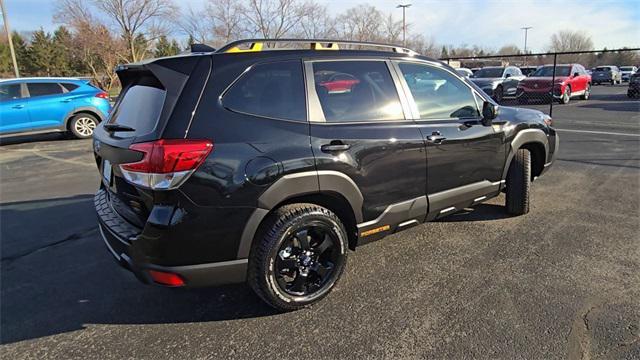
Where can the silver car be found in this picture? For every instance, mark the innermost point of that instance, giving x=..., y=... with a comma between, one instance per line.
x=627, y=72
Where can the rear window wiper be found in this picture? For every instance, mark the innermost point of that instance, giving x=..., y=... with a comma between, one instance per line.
x=117, y=127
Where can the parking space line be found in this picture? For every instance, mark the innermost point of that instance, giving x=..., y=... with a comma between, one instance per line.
x=598, y=132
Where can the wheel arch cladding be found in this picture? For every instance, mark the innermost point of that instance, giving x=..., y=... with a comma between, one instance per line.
x=81, y=110
x=534, y=140
x=330, y=189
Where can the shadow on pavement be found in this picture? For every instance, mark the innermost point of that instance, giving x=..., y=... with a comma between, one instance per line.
x=614, y=106
x=64, y=279
x=21, y=139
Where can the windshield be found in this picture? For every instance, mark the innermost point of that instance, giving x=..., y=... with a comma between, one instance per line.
x=603, y=68
x=626, y=68
x=489, y=73
x=548, y=71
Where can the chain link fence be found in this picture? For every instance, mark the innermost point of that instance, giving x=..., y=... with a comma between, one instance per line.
x=547, y=80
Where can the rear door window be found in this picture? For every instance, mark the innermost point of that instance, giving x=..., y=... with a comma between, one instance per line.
x=139, y=108
x=356, y=91
x=69, y=86
x=10, y=92
x=272, y=90
x=43, y=89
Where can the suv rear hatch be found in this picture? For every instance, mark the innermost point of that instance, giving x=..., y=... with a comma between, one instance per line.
x=157, y=102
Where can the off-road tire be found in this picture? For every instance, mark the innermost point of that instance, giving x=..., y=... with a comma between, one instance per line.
x=269, y=238
x=519, y=183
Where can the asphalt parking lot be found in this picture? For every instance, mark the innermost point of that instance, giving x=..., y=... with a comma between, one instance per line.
x=560, y=282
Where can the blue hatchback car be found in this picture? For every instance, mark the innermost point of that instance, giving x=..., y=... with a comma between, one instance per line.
x=37, y=105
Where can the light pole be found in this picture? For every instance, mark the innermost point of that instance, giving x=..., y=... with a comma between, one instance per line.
x=526, y=30
x=404, y=23
x=8, y=31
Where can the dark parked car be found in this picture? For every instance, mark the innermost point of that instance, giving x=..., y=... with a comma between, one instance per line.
x=239, y=165
x=634, y=86
x=570, y=80
x=498, y=82
x=607, y=74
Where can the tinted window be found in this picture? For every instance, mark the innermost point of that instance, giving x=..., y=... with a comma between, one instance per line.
x=139, y=108
x=43, y=89
x=274, y=90
x=548, y=71
x=489, y=73
x=356, y=91
x=69, y=86
x=437, y=93
x=603, y=68
x=10, y=92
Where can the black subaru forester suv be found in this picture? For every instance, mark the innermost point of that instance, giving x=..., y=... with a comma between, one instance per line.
x=249, y=164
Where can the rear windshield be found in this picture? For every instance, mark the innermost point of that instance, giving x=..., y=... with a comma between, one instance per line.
x=603, y=68
x=489, y=73
x=626, y=68
x=548, y=71
x=139, y=108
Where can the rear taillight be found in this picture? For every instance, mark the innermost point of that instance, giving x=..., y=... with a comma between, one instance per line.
x=166, y=278
x=166, y=164
x=102, y=95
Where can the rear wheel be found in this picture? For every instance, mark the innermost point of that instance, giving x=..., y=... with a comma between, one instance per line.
x=587, y=93
x=519, y=183
x=82, y=125
x=298, y=256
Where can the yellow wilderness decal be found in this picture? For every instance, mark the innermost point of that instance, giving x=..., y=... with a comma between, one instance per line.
x=375, y=231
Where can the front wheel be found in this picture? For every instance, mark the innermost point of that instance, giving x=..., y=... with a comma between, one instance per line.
x=566, y=96
x=83, y=125
x=587, y=93
x=519, y=183
x=497, y=94
x=298, y=256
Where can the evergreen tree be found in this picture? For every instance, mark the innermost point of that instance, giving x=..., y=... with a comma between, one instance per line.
x=40, y=54
x=444, y=53
x=166, y=48
x=62, y=53
x=22, y=56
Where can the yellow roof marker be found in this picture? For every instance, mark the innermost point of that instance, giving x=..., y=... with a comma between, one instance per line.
x=255, y=47
x=318, y=46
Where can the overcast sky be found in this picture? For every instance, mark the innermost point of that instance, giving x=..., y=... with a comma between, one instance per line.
x=492, y=24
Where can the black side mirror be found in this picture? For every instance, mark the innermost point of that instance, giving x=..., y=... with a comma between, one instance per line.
x=576, y=74
x=489, y=112
x=507, y=76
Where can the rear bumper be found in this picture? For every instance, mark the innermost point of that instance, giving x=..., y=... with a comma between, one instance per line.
x=121, y=238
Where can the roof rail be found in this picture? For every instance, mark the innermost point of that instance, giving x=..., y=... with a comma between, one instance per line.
x=255, y=45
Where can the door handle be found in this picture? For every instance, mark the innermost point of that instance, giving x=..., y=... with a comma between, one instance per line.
x=435, y=137
x=17, y=107
x=66, y=100
x=335, y=146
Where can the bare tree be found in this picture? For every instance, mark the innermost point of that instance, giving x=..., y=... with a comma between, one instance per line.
x=509, y=50
x=229, y=20
x=315, y=22
x=424, y=46
x=392, y=29
x=139, y=21
x=274, y=18
x=361, y=23
x=198, y=25
x=567, y=40
x=99, y=50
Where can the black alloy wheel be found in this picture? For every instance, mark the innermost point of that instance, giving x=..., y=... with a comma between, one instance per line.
x=307, y=259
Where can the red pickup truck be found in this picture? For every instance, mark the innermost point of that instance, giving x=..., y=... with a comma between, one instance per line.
x=571, y=80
